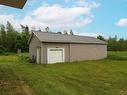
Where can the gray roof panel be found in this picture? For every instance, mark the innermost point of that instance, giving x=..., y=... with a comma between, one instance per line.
x=63, y=38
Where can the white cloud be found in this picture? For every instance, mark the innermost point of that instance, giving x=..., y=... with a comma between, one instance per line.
x=67, y=1
x=10, y=18
x=122, y=22
x=56, y=16
x=84, y=3
x=87, y=3
x=5, y=18
x=91, y=34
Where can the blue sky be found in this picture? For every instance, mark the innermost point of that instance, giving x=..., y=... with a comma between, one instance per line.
x=84, y=17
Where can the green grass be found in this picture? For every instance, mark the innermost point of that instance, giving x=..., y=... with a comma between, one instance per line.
x=117, y=55
x=102, y=77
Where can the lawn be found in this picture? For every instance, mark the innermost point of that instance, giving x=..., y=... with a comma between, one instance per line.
x=102, y=77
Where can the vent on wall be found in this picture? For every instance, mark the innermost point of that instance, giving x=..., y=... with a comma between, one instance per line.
x=13, y=3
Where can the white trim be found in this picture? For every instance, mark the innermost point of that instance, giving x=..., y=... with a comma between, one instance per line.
x=63, y=54
x=38, y=55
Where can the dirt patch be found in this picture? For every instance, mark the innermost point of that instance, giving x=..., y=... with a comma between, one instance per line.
x=14, y=87
x=27, y=90
x=123, y=92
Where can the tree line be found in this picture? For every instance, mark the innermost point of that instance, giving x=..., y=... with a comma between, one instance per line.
x=11, y=40
x=115, y=44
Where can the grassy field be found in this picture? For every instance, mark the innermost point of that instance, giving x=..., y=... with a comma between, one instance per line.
x=102, y=77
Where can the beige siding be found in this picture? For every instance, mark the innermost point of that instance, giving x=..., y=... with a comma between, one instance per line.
x=73, y=52
x=79, y=52
x=33, y=46
x=55, y=45
x=42, y=53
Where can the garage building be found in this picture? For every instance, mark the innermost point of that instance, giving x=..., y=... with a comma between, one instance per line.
x=49, y=48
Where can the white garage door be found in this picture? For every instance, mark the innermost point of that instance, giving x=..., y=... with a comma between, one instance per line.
x=55, y=55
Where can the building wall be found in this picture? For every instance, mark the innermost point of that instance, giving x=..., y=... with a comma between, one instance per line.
x=73, y=52
x=33, y=46
x=42, y=53
x=79, y=52
x=54, y=45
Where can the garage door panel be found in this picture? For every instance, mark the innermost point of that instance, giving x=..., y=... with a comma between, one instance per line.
x=55, y=55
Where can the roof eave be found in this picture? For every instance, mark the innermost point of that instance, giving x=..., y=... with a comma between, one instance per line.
x=72, y=42
x=29, y=40
x=19, y=4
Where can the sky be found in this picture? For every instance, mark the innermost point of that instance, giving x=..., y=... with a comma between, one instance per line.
x=85, y=17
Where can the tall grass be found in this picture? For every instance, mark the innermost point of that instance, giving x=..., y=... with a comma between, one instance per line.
x=101, y=77
x=23, y=57
x=12, y=58
x=117, y=55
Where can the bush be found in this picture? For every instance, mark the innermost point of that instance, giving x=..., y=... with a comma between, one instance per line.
x=23, y=57
x=33, y=59
x=2, y=50
x=117, y=56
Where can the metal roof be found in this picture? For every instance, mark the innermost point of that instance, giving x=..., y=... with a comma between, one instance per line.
x=13, y=3
x=63, y=38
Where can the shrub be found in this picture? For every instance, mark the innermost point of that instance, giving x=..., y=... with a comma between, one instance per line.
x=2, y=50
x=115, y=56
x=32, y=59
x=23, y=57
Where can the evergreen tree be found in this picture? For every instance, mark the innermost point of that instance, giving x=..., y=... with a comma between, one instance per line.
x=12, y=40
x=11, y=37
x=3, y=36
x=71, y=32
x=18, y=42
x=112, y=44
x=25, y=37
x=100, y=38
x=47, y=29
x=65, y=32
